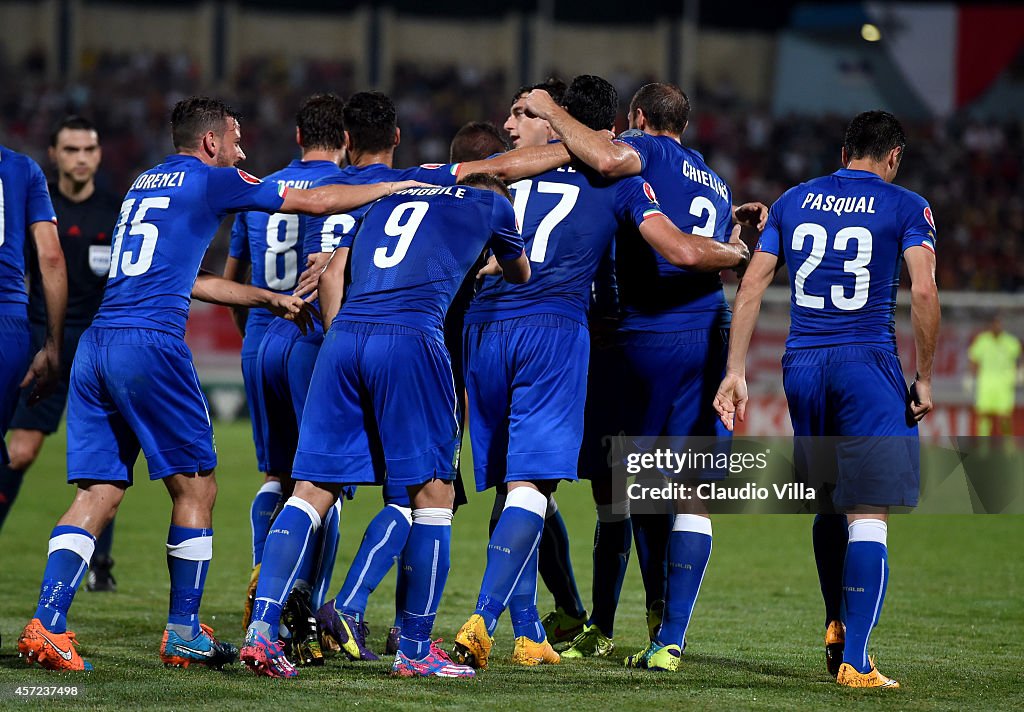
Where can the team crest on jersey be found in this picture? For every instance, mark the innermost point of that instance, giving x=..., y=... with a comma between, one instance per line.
x=649, y=192
x=431, y=166
x=248, y=177
x=928, y=216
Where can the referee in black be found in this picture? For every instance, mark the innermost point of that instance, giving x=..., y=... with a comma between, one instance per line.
x=85, y=221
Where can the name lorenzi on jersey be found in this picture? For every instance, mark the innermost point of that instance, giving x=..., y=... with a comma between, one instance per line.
x=705, y=178
x=149, y=181
x=839, y=205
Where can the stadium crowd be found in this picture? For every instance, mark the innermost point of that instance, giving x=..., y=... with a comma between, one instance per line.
x=973, y=168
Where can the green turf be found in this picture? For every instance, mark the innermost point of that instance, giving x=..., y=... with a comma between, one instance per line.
x=951, y=631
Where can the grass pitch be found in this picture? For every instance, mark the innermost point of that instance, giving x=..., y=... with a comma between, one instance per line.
x=951, y=632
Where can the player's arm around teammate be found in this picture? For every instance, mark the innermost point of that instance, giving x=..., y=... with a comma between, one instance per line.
x=226, y=292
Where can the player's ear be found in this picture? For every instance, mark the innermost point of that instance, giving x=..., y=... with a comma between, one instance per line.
x=844, y=157
x=210, y=143
x=398, y=136
x=298, y=136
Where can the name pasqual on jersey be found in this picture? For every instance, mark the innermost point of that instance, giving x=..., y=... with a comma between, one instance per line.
x=151, y=181
x=840, y=205
x=703, y=177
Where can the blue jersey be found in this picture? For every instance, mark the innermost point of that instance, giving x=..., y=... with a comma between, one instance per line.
x=24, y=200
x=414, y=248
x=655, y=295
x=167, y=221
x=325, y=234
x=568, y=219
x=843, y=237
x=271, y=243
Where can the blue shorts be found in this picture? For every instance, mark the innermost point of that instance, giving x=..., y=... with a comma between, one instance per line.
x=602, y=417
x=857, y=395
x=285, y=365
x=133, y=388
x=381, y=406
x=14, y=360
x=254, y=332
x=669, y=381
x=45, y=415
x=527, y=383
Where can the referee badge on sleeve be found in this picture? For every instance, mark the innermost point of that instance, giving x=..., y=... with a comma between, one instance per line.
x=99, y=259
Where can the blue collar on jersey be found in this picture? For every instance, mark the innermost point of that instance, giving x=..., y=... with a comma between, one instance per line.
x=848, y=173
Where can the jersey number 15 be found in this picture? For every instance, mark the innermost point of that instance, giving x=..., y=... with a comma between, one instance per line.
x=136, y=261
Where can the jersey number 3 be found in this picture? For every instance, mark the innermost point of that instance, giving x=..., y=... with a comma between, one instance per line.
x=136, y=261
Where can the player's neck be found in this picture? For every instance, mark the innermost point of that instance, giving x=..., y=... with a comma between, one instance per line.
x=317, y=154
x=675, y=137
x=75, y=192
x=359, y=159
x=864, y=164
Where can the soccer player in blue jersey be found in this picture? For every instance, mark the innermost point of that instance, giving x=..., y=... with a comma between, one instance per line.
x=526, y=353
x=372, y=134
x=673, y=333
x=26, y=213
x=133, y=385
x=269, y=246
x=382, y=402
x=845, y=237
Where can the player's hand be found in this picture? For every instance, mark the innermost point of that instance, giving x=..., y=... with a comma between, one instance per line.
x=294, y=309
x=920, y=399
x=539, y=104
x=309, y=280
x=753, y=215
x=737, y=242
x=491, y=269
x=43, y=374
x=731, y=400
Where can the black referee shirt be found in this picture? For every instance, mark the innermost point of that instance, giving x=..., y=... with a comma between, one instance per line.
x=85, y=231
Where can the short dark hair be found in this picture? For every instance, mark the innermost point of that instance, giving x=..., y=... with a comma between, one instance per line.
x=666, y=107
x=320, y=122
x=194, y=116
x=73, y=122
x=486, y=181
x=371, y=120
x=872, y=134
x=552, y=85
x=475, y=141
x=592, y=101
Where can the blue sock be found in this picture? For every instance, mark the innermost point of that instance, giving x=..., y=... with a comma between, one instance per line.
x=188, y=559
x=830, y=533
x=105, y=542
x=515, y=538
x=427, y=557
x=689, y=549
x=555, y=565
x=522, y=607
x=328, y=553
x=293, y=533
x=10, y=485
x=382, y=544
x=70, y=552
x=865, y=578
x=261, y=515
x=613, y=538
x=401, y=586
x=651, y=533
